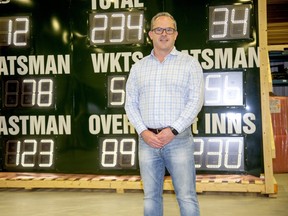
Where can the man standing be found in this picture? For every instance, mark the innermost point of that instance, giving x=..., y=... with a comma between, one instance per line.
x=164, y=94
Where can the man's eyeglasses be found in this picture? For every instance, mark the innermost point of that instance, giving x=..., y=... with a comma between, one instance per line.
x=160, y=31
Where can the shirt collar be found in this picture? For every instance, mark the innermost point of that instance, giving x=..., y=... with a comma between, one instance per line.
x=174, y=52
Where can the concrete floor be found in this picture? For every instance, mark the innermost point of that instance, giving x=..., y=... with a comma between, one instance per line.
x=84, y=202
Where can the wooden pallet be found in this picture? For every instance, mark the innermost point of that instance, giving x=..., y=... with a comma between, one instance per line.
x=204, y=183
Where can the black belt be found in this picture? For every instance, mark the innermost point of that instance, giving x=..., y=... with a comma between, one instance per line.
x=156, y=131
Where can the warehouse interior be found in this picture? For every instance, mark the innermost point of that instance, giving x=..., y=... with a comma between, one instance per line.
x=23, y=194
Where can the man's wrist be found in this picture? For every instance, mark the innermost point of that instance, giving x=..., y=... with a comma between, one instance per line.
x=174, y=131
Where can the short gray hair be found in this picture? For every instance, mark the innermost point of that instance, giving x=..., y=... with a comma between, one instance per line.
x=163, y=14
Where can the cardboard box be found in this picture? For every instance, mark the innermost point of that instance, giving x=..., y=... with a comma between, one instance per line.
x=280, y=163
x=279, y=117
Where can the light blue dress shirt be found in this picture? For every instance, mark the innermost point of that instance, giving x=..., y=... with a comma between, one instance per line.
x=164, y=94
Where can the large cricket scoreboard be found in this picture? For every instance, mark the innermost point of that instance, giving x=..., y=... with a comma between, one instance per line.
x=63, y=70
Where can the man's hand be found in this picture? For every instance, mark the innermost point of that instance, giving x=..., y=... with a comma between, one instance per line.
x=151, y=139
x=158, y=140
x=165, y=136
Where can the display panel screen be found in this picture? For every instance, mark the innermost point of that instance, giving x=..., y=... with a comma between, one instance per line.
x=116, y=91
x=110, y=28
x=29, y=153
x=223, y=88
x=14, y=31
x=219, y=153
x=28, y=93
x=229, y=22
x=118, y=153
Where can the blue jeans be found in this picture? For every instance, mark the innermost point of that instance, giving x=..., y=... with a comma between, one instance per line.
x=177, y=157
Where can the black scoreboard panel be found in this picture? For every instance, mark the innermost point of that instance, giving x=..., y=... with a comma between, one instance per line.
x=64, y=66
